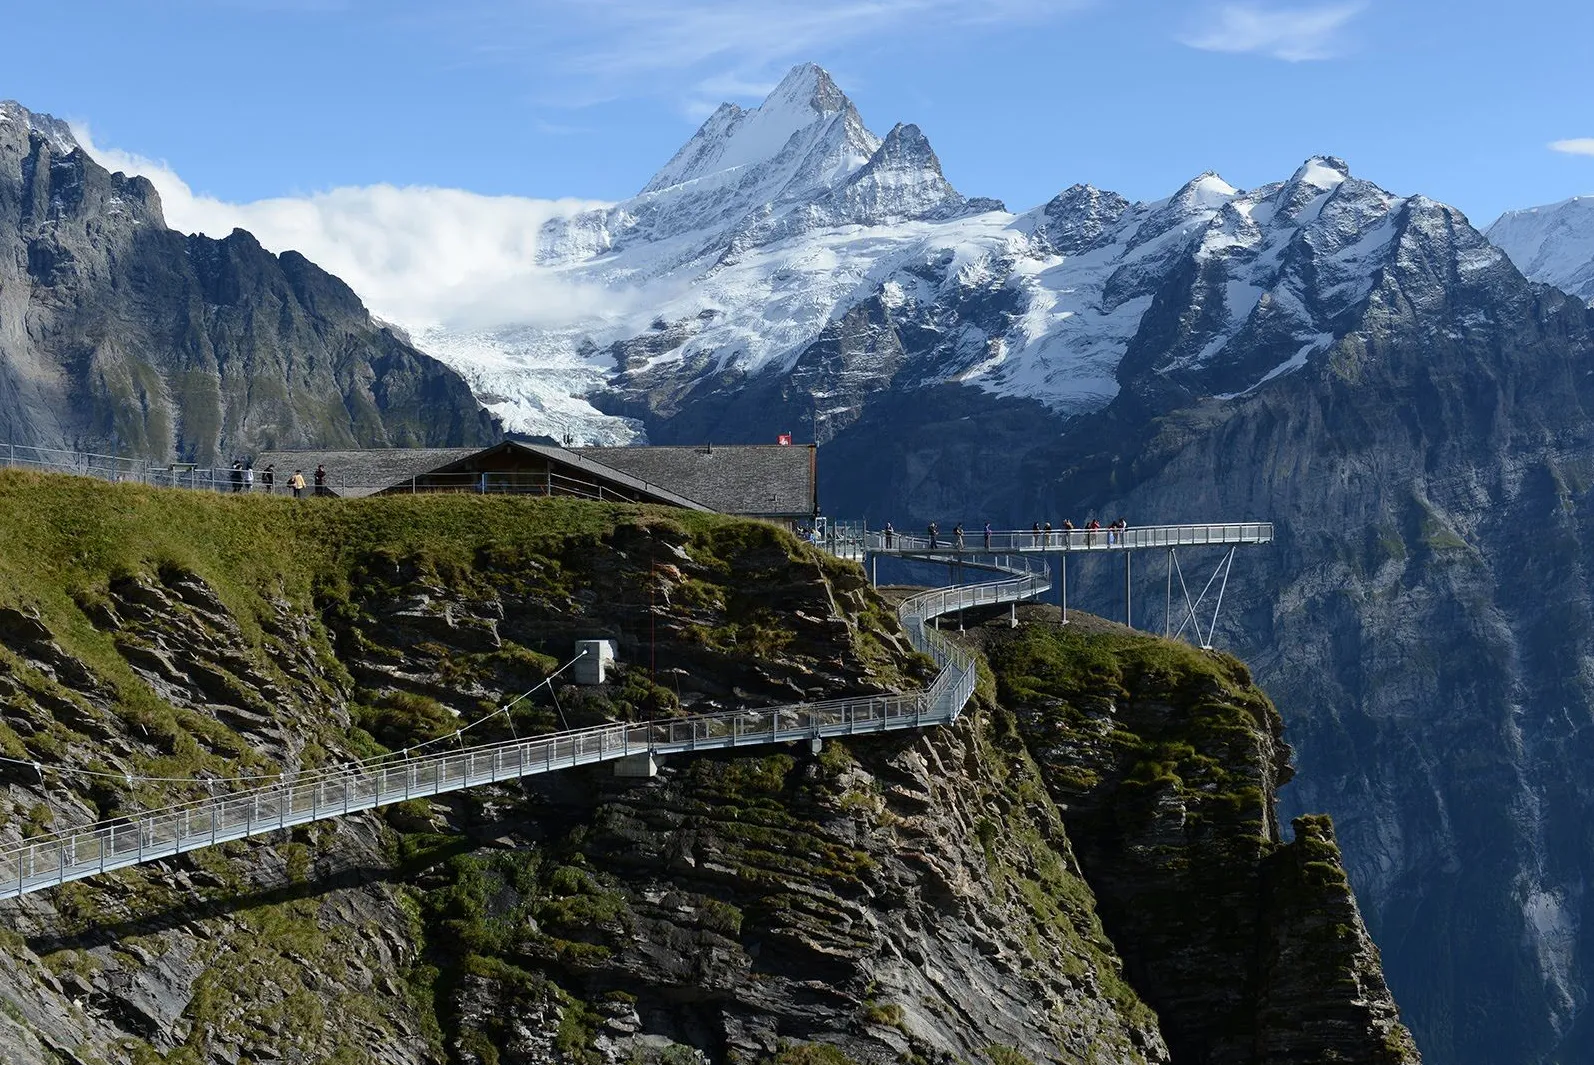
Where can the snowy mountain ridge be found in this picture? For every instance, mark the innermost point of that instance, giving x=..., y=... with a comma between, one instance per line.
x=772, y=225
x=1553, y=244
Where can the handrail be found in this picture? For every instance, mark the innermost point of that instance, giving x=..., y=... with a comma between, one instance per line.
x=73, y=854
x=1030, y=541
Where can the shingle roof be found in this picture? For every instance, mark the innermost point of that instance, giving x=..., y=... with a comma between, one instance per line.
x=585, y=467
x=766, y=480
x=352, y=474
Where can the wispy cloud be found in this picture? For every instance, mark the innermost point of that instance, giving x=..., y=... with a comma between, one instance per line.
x=420, y=257
x=700, y=50
x=1295, y=33
x=1575, y=146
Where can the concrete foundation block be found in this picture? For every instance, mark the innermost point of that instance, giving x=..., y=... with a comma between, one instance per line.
x=637, y=766
x=591, y=667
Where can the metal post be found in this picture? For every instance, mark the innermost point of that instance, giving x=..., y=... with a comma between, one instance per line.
x=1167, y=610
x=1228, y=564
x=1129, y=613
x=1062, y=569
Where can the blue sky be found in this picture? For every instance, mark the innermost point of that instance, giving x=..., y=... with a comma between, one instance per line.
x=247, y=99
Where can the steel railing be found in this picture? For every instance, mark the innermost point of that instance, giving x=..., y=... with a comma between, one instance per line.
x=1029, y=541
x=312, y=796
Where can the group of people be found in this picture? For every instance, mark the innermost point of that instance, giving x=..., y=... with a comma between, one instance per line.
x=243, y=479
x=1042, y=535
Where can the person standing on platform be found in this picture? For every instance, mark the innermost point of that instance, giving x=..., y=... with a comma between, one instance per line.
x=934, y=531
x=1090, y=532
x=268, y=477
x=987, y=536
x=957, y=536
x=321, y=480
x=1035, y=535
x=249, y=477
x=296, y=482
x=1046, y=531
x=889, y=533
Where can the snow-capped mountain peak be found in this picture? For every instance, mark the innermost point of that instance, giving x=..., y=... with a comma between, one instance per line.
x=1552, y=244
x=1324, y=172
x=734, y=138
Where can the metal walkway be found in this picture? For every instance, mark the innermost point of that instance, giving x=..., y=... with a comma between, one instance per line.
x=318, y=795
x=868, y=546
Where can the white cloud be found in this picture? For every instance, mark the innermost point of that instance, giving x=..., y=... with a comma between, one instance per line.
x=1291, y=33
x=418, y=257
x=1575, y=146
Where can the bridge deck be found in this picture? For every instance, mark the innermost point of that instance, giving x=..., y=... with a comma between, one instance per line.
x=319, y=795
x=1029, y=541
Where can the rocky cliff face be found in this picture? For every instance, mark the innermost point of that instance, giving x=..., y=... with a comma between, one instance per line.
x=120, y=335
x=924, y=898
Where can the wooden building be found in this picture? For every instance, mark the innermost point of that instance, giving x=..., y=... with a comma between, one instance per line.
x=777, y=483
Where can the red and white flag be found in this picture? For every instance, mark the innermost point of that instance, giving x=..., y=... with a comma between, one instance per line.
x=784, y=440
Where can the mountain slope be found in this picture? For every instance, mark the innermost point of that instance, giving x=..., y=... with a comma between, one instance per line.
x=120, y=335
x=1553, y=244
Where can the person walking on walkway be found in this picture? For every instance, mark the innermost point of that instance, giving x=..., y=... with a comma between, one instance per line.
x=934, y=531
x=957, y=536
x=296, y=482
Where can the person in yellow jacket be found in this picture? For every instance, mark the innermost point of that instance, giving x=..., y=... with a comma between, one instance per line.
x=296, y=482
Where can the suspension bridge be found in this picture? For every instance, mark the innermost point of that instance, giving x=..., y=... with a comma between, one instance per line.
x=1016, y=570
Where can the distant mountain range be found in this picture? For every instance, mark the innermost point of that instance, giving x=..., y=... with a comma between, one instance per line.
x=120, y=335
x=750, y=273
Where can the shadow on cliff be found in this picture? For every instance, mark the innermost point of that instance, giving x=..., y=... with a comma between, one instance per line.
x=328, y=874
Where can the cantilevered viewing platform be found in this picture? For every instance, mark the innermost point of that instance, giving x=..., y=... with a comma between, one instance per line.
x=1030, y=541
x=977, y=548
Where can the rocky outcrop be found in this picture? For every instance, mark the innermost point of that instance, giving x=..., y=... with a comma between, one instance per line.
x=1166, y=764
x=933, y=897
x=120, y=336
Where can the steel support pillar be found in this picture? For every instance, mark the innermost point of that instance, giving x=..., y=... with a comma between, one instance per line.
x=1167, y=609
x=1129, y=604
x=1062, y=582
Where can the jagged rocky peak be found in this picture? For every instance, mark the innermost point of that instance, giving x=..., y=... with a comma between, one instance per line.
x=807, y=99
x=16, y=119
x=57, y=181
x=1078, y=219
x=905, y=180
